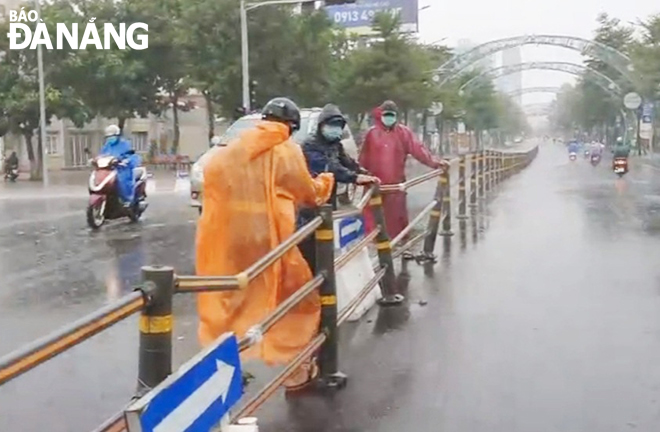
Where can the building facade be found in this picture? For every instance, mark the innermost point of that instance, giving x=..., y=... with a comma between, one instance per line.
x=66, y=144
x=513, y=82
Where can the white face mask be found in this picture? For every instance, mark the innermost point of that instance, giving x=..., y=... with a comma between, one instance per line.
x=389, y=120
x=332, y=133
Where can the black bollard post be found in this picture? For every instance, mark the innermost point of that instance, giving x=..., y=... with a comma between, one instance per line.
x=446, y=204
x=325, y=264
x=155, y=358
x=482, y=159
x=434, y=223
x=388, y=283
x=462, y=193
x=473, y=180
x=489, y=171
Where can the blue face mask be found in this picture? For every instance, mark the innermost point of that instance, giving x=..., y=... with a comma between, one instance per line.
x=389, y=120
x=332, y=133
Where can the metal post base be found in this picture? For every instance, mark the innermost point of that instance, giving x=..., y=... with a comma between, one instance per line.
x=425, y=257
x=391, y=300
x=462, y=217
x=446, y=234
x=335, y=381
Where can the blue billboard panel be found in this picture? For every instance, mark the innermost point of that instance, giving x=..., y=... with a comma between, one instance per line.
x=358, y=17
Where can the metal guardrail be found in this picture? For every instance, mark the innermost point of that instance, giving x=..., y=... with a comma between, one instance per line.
x=154, y=297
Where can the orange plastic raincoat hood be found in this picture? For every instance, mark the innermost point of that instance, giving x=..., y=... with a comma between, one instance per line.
x=251, y=191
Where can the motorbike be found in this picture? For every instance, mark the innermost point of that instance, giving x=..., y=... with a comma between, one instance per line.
x=11, y=173
x=104, y=202
x=586, y=154
x=572, y=156
x=595, y=159
x=620, y=166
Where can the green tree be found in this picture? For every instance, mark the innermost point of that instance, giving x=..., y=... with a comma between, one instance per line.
x=598, y=107
x=112, y=83
x=19, y=98
x=208, y=36
x=394, y=67
x=646, y=57
x=166, y=57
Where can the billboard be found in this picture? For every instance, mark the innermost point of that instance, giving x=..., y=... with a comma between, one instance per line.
x=357, y=17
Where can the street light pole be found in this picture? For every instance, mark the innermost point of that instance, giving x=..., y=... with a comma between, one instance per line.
x=42, y=104
x=245, y=59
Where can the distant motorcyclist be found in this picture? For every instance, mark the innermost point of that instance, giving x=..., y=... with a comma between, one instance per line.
x=573, y=147
x=621, y=149
x=597, y=148
x=11, y=162
x=120, y=148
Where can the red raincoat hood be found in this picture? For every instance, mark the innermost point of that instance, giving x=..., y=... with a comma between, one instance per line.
x=377, y=115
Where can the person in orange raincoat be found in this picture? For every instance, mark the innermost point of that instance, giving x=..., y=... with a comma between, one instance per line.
x=384, y=152
x=252, y=188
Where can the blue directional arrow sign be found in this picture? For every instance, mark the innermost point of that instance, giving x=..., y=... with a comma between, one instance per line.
x=196, y=397
x=350, y=230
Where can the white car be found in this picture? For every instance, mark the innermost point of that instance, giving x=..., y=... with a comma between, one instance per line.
x=308, y=125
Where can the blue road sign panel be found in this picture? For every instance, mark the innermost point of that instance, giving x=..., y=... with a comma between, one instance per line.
x=350, y=230
x=647, y=109
x=358, y=16
x=196, y=397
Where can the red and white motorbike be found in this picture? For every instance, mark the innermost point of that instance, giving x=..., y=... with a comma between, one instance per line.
x=104, y=203
x=620, y=166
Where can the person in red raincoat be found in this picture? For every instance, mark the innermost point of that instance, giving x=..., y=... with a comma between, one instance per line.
x=386, y=147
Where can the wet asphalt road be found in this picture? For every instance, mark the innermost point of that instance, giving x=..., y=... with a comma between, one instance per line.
x=543, y=315
x=54, y=270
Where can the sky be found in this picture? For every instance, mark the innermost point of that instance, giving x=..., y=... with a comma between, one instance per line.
x=482, y=21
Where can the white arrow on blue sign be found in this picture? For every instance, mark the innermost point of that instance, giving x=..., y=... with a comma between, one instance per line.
x=350, y=230
x=196, y=397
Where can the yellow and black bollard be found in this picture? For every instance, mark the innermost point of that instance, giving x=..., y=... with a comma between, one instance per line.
x=482, y=160
x=473, y=179
x=434, y=223
x=155, y=358
x=462, y=193
x=388, y=283
x=331, y=377
x=498, y=167
x=489, y=171
x=446, y=204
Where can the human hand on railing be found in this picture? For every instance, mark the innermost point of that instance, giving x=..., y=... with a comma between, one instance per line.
x=442, y=164
x=366, y=180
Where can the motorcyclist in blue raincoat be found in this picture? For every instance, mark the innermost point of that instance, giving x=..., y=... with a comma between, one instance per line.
x=120, y=148
x=573, y=147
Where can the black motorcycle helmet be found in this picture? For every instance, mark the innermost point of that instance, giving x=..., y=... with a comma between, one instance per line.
x=282, y=110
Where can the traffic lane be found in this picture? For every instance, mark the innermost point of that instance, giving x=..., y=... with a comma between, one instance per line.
x=550, y=322
x=89, y=383
x=81, y=388
x=55, y=271
x=53, y=267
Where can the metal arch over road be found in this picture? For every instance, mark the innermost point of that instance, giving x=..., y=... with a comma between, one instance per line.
x=572, y=68
x=607, y=54
x=527, y=90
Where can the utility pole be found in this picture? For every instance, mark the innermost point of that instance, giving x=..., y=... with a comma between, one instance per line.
x=42, y=104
